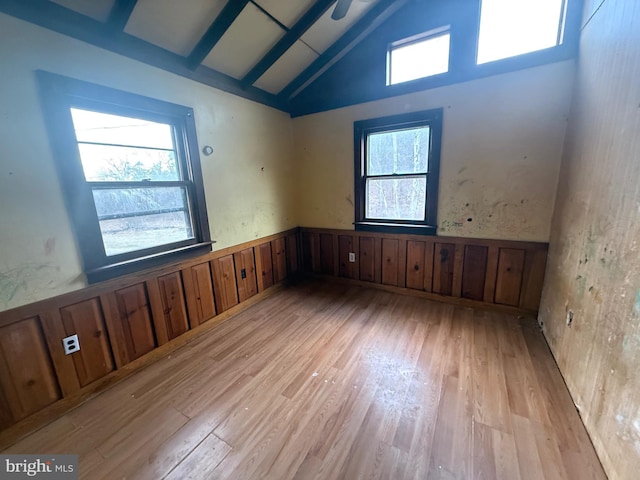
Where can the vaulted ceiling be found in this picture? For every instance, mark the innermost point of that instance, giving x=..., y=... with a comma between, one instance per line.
x=266, y=50
x=288, y=54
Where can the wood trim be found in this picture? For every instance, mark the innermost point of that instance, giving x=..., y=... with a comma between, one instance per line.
x=27, y=379
x=224, y=281
x=377, y=259
x=253, y=243
x=132, y=317
x=457, y=271
x=63, y=364
x=140, y=324
x=33, y=309
x=519, y=281
x=463, y=302
x=309, y=18
x=198, y=287
x=428, y=268
x=336, y=254
x=522, y=244
x=363, y=27
x=55, y=17
x=491, y=274
x=120, y=13
x=361, y=130
x=308, y=94
x=533, y=277
x=41, y=418
x=116, y=333
x=157, y=313
x=215, y=32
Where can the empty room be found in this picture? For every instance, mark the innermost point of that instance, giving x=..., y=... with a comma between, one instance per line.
x=320, y=239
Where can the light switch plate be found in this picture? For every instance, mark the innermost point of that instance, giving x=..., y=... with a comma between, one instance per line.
x=71, y=344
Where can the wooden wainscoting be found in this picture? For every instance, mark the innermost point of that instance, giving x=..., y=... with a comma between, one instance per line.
x=121, y=323
x=503, y=274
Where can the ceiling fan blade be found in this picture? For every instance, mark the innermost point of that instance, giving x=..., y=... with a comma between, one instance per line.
x=341, y=9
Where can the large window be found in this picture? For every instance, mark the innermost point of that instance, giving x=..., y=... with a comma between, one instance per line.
x=514, y=27
x=421, y=56
x=397, y=163
x=130, y=171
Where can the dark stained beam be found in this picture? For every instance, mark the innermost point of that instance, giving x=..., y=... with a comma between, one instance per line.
x=215, y=32
x=54, y=17
x=120, y=13
x=274, y=19
x=363, y=27
x=301, y=26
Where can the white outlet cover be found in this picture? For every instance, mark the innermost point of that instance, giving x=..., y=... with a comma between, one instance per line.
x=352, y=257
x=71, y=344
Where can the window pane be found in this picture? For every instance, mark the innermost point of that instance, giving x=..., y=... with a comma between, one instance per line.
x=138, y=218
x=110, y=129
x=106, y=163
x=514, y=27
x=419, y=59
x=396, y=198
x=398, y=151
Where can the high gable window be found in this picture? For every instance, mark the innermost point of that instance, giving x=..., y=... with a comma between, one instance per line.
x=130, y=172
x=397, y=164
x=420, y=56
x=514, y=27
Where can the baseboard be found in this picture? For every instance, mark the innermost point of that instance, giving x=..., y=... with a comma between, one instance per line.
x=54, y=411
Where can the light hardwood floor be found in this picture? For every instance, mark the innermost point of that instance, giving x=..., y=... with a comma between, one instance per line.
x=326, y=381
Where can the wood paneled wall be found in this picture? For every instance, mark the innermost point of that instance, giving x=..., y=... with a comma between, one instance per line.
x=124, y=319
x=590, y=311
x=502, y=273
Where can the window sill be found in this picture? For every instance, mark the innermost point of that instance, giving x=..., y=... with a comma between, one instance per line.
x=406, y=228
x=108, y=272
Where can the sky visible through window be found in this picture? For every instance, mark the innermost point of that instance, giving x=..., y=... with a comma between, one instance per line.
x=419, y=59
x=127, y=151
x=116, y=148
x=397, y=166
x=513, y=27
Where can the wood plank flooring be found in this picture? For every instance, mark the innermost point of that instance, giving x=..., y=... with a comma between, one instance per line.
x=325, y=381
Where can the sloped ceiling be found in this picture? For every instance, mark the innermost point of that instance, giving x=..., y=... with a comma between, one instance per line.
x=252, y=48
x=289, y=54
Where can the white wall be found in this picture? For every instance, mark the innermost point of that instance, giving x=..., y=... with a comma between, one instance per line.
x=248, y=179
x=502, y=144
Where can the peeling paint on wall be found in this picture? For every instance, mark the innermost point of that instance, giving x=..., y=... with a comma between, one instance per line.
x=249, y=181
x=49, y=246
x=29, y=280
x=629, y=431
x=636, y=305
x=594, y=242
x=497, y=179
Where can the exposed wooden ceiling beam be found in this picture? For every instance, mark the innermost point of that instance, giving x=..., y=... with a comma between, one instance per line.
x=120, y=13
x=54, y=17
x=301, y=26
x=362, y=28
x=215, y=32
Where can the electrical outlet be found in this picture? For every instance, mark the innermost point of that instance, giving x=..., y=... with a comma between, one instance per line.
x=71, y=344
x=352, y=257
x=243, y=273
